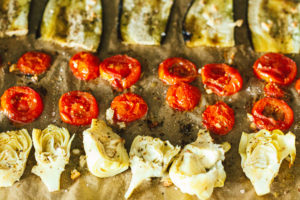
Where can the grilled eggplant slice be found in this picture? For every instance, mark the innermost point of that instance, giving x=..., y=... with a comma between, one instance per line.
x=144, y=21
x=210, y=23
x=14, y=17
x=275, y=25
x=73, y=23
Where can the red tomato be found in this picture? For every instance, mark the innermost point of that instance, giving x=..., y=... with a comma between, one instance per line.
x=183, y=96
x=121, y=71
x=175, y=70
x=273, y=90
x=275, y=67
x=218, y=118
x=78, y=108
x=297, y=86
x=222, y=79
x=128, y=107
x=21, y=104
x=270, y=113
x=34, y=63
x=85, y=66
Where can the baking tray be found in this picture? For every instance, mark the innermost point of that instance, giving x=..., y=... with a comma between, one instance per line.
x=179, y=127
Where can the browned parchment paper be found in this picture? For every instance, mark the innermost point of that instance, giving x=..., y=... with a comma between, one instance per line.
x=178, y=127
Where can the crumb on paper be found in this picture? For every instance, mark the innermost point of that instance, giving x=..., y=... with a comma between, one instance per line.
x=142, y=74
x=156, y=98
x=121, y=125
x=166, y=181
x=250, y=117
x=133, y=88
x=242, y=191
x=75, y=174
x=253, y=126
x=199, y=70
x=76, y=151
x=230, y=55
x=13, y=68
x=82, y=161
x=239, y=22
x=34, y=78
x=109, y=115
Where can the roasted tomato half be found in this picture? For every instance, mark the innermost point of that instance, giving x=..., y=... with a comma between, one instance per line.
x=78, y=108
x=270, y=113
x=275, y=67
x=21, y=104
x=85, y=66
x=218, y=118
x=297, y=86
x=183, y=96
x=176, y=70
x=121, y=71
x=273, y=90
x=34, y=63
x=128, y=107
x=222, y=79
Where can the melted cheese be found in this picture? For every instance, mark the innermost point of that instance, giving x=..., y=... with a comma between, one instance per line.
x=14, y=150
x=73, y=23
x=210, y=23
x=52, y=153
x=144, y=21
x=275, y=25
x=198, y=168
x=14, y=17
x=262, y=154
x=149, y=157
x=105, y=151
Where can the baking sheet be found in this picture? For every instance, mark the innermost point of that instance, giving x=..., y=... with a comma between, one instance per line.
x=178, y=127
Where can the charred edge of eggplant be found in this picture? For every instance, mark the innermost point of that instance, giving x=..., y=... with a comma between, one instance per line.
x=102, y=29
x=186, y=35
x=245, y=22
x=120, y=10
x=163, y=35
x=38, y=30
x=249, y=32
x=29, y=17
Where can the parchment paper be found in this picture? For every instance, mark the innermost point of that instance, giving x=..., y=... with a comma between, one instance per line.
x=178, y=127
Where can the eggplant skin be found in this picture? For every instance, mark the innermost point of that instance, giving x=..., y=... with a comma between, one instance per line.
x=73, y=23
x=275, y=25
x=209, y=23
x=14, y=17
x=144, y=21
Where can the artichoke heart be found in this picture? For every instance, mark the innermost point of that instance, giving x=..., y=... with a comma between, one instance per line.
x=14, y=150
x=14, y=17
x=105, y=151
x=144, y=21
x=210, y=23
x=52, y=152
x=198, y=168
x=73, y=23
x=275, y=25
x=149, y=157
x=262, y=154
